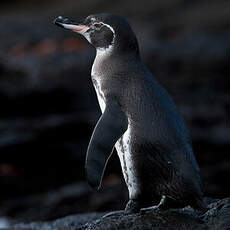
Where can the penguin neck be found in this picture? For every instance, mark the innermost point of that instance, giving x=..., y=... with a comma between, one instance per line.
x=121, y=46
x=102, y=53
x=116, y=49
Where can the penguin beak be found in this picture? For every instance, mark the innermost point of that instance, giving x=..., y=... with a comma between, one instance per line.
x=70, y=25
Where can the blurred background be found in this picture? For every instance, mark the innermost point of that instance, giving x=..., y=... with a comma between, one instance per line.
x=48, y=107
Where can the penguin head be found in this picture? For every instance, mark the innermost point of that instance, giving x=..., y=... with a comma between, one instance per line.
x=103, y=31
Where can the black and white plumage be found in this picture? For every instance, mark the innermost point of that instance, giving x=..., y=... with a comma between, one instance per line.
x=139, y=119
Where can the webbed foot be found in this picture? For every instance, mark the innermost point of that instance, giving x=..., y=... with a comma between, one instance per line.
x=155, y=208
x=133, y=206
x=114, y=213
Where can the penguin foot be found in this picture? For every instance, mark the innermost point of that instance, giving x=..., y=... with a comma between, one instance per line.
x=155, y=208
x=133, y=206
x=114, y=213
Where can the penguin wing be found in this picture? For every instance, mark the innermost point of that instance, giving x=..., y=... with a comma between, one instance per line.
x=110, y=127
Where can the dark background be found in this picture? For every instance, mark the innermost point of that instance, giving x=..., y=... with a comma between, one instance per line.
x=48, y=106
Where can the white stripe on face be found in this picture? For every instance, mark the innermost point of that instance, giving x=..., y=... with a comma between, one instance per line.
x=110, y=27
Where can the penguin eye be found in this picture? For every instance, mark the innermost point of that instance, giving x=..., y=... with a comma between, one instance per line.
x=97, y=25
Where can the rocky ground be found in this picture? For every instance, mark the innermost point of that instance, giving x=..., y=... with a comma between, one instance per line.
x=216, y=218
x=49, y=108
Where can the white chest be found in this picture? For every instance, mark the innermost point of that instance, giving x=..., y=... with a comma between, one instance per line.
x=100, y=94
x=97, y=75
x=123, y=147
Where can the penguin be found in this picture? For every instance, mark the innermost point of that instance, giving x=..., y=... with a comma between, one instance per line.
x=139, y=119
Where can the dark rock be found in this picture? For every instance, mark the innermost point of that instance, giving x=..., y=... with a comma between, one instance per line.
x=216, y=218
x=67, y=223
x=67, y=200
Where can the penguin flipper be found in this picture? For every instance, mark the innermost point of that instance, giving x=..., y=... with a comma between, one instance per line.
x=110, y=127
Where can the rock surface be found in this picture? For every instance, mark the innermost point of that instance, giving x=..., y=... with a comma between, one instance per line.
x=216, y=218
x=67, y=200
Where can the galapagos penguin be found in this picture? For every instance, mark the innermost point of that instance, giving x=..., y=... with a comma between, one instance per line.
x=139, y=119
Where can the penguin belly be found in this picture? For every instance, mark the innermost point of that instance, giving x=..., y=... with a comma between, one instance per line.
x=123, y=147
